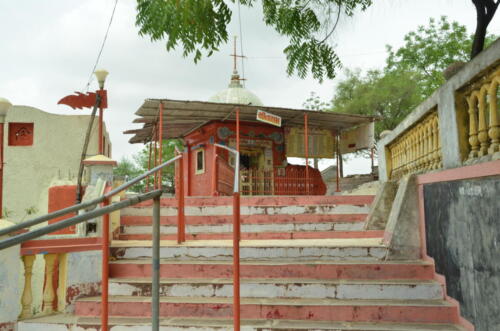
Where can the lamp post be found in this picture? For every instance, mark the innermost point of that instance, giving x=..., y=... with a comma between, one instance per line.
x=101, y=75
x=4, y=107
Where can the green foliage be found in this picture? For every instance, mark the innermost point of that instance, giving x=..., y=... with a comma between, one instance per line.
x=315, y=103
x=391, y=96
x=430, y=49
x=129, y=169
x=200, y=26
x=412, y=73
x=126, y=170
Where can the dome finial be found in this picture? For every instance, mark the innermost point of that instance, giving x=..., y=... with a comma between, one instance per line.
x=235, y=77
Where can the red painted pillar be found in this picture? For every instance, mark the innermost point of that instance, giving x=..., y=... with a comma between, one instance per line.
x=338, y=162
x=101, y=134
x=214, y=170
x=160, y=141
x=236, y=239
x=306, y=150
x=149, y=165
x=188, y=170
x=155, y=186
x=181, y=227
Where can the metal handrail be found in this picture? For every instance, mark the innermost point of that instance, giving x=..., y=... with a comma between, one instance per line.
x=20, y=238
x=79, y=206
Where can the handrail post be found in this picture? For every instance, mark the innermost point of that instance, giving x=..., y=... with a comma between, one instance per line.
x=160, y=141
x=105, y=269
x=155, y=302
x=306, y=150
x=236, y=260
x=214, y=171
x=181, y=226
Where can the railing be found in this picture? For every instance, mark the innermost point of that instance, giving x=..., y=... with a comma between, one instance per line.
x=292, y=180
x=456, y=126
x=482, y=108
x=417, y=149
x=257, y=182
x=107, y=208
x=225, y=177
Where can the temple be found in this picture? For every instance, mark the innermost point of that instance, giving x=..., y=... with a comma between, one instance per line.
x=264, y=136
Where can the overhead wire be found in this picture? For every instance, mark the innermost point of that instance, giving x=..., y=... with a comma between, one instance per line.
x=102, y=47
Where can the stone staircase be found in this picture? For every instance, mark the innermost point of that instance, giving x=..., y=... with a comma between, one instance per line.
x=306, y=264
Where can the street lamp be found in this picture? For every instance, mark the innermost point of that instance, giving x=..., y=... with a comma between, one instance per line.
x=101, y=75
x=4, y=107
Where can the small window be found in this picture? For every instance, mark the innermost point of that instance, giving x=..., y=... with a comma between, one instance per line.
x=20, y=134
x=200, y=161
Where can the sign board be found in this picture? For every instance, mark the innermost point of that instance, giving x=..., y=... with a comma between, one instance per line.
x=321, y=143
x=268, y=118
x=358, y=138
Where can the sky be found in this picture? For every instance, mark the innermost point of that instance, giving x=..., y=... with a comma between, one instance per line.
x=48, y=49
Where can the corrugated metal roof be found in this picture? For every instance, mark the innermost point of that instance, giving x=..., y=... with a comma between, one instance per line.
x=180, y=117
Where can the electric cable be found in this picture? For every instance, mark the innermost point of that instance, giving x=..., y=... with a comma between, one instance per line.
x=102, y=47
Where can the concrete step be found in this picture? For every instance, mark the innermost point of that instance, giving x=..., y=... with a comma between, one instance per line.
x=283, y=288
x=401, y=311
x=306, y=234
x=275, y=200
x=307, y=269
x=135, y=216
x=258, y=210
x=250, y=228
x=363, y=249
x=65, y=322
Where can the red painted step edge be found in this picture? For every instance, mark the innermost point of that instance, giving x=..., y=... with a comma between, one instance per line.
x=245, y=219
x=270, y=201
x=265, y=235
x=311, y=271
x=347, y=313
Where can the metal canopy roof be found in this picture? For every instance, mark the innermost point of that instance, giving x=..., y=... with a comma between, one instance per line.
x=181, y=117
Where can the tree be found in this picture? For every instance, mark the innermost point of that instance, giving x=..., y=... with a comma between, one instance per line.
x=128, y=170
x=168, y=152
x=430, y=49
x=391, y=96
x=201, y=26
x=485, y=10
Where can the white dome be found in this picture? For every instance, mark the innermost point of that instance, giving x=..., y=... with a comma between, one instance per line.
x=236, y=93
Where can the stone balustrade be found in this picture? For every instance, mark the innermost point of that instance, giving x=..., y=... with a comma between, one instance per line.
x=418, y=149
x=457, y=125
x=482, y=107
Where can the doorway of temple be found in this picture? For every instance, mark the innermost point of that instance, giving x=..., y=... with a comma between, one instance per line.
x=256, y=167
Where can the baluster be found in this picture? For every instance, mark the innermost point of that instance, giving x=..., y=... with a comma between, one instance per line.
x=429, y=151
x=435, y=142
x=483, y=127
x=423, y=148
x=406, y=160
x=419, y=148
x=49, y=293
x=494, y=131
x=27, y=297
x=473, y=140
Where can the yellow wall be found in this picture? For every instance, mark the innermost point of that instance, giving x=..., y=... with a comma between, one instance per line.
x=53, y=159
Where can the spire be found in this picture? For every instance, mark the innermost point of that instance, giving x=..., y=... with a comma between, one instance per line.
x=235, y=77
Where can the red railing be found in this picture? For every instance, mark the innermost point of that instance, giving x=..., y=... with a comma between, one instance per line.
x=225, y=177
x=292, y=180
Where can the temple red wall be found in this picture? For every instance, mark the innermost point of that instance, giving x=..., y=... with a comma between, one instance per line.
x=222, y=132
